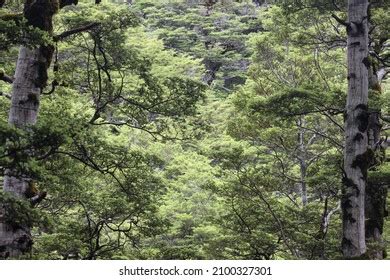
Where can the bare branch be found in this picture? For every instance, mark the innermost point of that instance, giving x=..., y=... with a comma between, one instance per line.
x=38, y=198
x=339, y=20
x=71, y=32
x=4, y=77
x=6, y=95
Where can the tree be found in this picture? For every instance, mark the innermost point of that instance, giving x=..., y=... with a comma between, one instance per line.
x=219, y=39
x=356, y=153
x=123, y=89
x=127, y=164
x=287, y=117
x=377, y=63
x=376, y=190
x=30, y=79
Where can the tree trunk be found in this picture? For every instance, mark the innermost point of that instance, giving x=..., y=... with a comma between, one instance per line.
x=24, y=109
x=356, y=152
x=30, y=79
x=376, y=192
x=375, y=211
x=302, y=157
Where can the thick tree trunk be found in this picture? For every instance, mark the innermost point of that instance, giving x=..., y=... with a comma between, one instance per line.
x=356, y=153
x=30, y=79
x=16, y=239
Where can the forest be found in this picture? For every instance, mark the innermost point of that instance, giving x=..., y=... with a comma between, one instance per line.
x=194, y=129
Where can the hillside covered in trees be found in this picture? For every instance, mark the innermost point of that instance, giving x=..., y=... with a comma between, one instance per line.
x=194, y=129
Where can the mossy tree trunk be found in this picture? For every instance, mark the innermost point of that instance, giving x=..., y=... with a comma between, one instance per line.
x=30, y=79
x=356, y=152
x=376, y=191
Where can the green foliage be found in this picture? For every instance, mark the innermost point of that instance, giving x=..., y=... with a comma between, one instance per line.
x=130, y=81
x=143, y=153
x=18, y=213
x=380, y=176
x=295, y=102
x=218, y=38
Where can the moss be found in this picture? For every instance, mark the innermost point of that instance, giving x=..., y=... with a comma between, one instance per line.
x=43, y=64
x=375, y=204
x=17, y=212
x=33, y=99
x=346, y=242
x=351, y=76
x=40, y=13
x=4, y=254
x=42, y=76
x=31, y=190
x=363, y=161
x=348, y=217
x=363, y=107
x=24, y=243
x=349, y=184
x=362, y=121
x=375, y=101
x=346, y=203
x=358, y=137
x=366, y=62
x=355, y=29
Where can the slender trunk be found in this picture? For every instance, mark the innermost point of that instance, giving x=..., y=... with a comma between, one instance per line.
x=319, y=251
x=30, y=79
x=303, y=169
x=302, y=160
x=356, y=151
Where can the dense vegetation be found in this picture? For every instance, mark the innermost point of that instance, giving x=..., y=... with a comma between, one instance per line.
x=190, y=130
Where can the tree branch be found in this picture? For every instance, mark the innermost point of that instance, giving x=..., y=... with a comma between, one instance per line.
x=75, y=31
x=6, y=78
x=17, y=17
x=5, y=95
x=339, y=20
x=38, y=198
x=64, y=3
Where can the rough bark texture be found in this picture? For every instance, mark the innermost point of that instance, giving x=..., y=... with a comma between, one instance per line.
x=375, y=211
x=24, y=109
x=30, y=79
x=356, y=153
x=376, y=191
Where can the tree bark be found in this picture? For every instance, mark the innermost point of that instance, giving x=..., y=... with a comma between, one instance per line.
x=30, y=79
x=375, y=211
x=15, y=241
x=356, y=152
x=376, y=192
